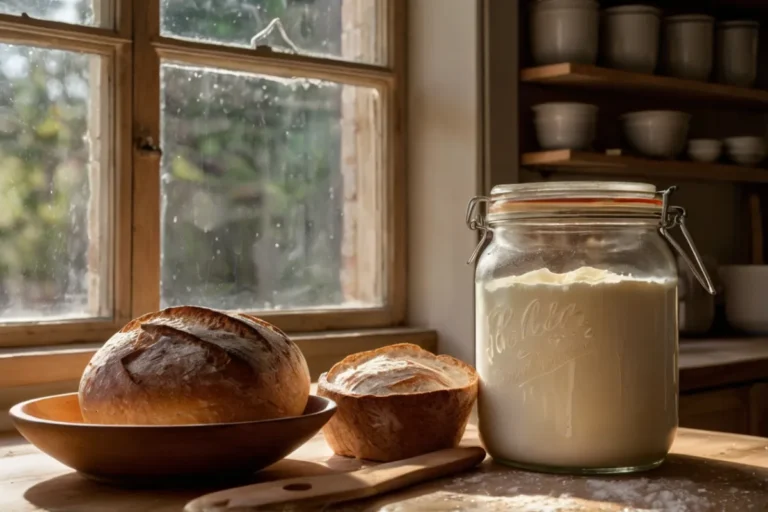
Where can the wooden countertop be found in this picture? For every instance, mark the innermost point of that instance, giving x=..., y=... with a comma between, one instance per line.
x=705, y=466
x=707, y=471
x=715, y=363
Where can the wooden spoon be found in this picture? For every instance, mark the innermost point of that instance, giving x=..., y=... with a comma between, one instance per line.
x=359, y=484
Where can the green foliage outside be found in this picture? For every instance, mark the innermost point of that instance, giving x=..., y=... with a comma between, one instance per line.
x=43, y=178
x=250, y=174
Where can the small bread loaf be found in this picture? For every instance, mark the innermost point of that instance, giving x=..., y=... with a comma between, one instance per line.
x=397, y=402
x=186, y=365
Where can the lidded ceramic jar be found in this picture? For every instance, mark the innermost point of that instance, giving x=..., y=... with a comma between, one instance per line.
x=564, y=31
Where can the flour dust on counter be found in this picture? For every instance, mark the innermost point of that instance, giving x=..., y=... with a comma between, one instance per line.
x=683, y=484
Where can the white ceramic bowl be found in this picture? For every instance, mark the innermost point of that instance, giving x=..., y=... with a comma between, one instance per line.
x=746, y=150
x=747, y=158
x=657, y=133
x=748, y=143
x=688, y=46
x=705, y=150
x=565, y=125
x=737, y=52
x=630, y=37
x=746, y=297
x=564, y=31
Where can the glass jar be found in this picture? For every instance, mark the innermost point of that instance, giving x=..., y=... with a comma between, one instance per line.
x=576, y=324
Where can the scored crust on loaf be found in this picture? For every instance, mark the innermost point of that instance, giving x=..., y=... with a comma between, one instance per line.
x=194, y=365
x=400, y=368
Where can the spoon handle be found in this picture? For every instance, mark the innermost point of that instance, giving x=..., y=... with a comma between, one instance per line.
x=343, y=486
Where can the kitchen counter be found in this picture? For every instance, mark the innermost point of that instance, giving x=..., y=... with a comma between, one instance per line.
x=707, y=471
x=32, y=481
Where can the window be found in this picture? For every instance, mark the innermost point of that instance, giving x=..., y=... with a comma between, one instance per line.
x=236, y=154
x=81, y=12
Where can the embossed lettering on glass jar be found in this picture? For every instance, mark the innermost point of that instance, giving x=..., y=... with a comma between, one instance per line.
x=576, y=324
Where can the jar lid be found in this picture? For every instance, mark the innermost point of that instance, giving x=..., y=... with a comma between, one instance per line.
x=590, y=5
x=696, y=18
x=551, y=188
x=738, y=24
x=632, y=9
x=605, y=198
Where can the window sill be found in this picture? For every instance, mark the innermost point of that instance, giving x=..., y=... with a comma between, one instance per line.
x=29, y=372
x=25, y=366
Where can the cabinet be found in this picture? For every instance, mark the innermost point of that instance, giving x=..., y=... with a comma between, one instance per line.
x=724, y=386
x=723, y=410
x=758, y=399
x=737, y=409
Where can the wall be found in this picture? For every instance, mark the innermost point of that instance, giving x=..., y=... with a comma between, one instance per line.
x=444, y=166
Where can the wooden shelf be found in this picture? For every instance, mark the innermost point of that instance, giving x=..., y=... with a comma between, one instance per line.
x=593, y=77
x=583, y=162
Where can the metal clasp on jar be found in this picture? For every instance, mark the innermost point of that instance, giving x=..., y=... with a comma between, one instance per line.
x=674, y=216
x=476, y=221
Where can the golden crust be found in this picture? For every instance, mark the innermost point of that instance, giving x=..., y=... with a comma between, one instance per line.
x=401, y=424
x=189, y=364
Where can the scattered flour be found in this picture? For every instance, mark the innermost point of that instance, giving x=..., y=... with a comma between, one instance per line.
x=521, y=491
x=666, y=497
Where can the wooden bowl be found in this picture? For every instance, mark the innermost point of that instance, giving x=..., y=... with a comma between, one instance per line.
x=145, y=453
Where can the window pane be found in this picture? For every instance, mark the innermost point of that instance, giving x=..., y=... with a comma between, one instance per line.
x=52, y=256
x=270, y=191
x=80, y=12
x=339, y=29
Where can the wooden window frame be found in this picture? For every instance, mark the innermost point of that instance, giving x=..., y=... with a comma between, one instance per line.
x=134, y=49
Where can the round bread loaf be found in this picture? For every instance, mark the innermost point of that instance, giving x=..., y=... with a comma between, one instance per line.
x=186, y=365
x=397, y=402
